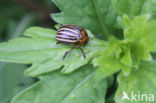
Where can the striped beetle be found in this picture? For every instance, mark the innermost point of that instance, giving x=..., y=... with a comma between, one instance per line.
x=72, y=34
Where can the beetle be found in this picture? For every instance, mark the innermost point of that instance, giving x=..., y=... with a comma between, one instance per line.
x=72, y=34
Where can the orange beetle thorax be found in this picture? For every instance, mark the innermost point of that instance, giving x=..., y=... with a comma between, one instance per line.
x=83, y=38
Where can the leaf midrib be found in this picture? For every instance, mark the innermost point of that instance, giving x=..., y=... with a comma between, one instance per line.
x=78, y=85
x=44, y=49
x=104, y=29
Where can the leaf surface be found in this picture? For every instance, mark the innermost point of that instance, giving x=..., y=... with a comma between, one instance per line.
x=39, y=48
x=134, y=8
x=96, y=15
x=141, y=81
x=56, y=87
x=12, y=81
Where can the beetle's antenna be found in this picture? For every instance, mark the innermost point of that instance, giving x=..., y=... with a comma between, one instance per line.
x=97, y=36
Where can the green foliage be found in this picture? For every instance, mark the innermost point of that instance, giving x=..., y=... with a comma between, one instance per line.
x=12, y=80
x=9, y=14
x=40, y=49
x=77, y=80
x=96, y=15
x=134, y=8
x=140, y=81
x=76, y=88
x=139, y=40
x=141, y=31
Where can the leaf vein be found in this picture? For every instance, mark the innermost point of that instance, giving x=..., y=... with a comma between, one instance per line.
x=78, y=85
x=104, y=29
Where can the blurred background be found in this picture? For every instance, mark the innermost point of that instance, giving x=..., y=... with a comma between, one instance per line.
x=15, y=17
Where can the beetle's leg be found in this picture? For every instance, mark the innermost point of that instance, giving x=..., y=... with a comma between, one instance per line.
x=61, y=24
x=58, y=42
x=68, y=51
x=82, y=52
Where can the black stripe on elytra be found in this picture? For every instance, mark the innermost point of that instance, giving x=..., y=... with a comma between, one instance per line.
x=68, y=31
x=67, y=38
x=72, y=26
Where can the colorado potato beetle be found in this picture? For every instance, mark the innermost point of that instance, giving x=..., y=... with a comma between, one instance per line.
x=72, y=34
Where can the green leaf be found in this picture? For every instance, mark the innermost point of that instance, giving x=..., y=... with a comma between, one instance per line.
x=40, y=32
x=116, y=56
x=126, y=54
x=107, y=65
x=56, y=87
x=141, y=31
x=107, y=62
x=141, y=81
x=39, y=48
x=149, y=7
x=12, y=80
x=134, y=8
x=95, y=15
x=140, y=38
x=126, y=62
